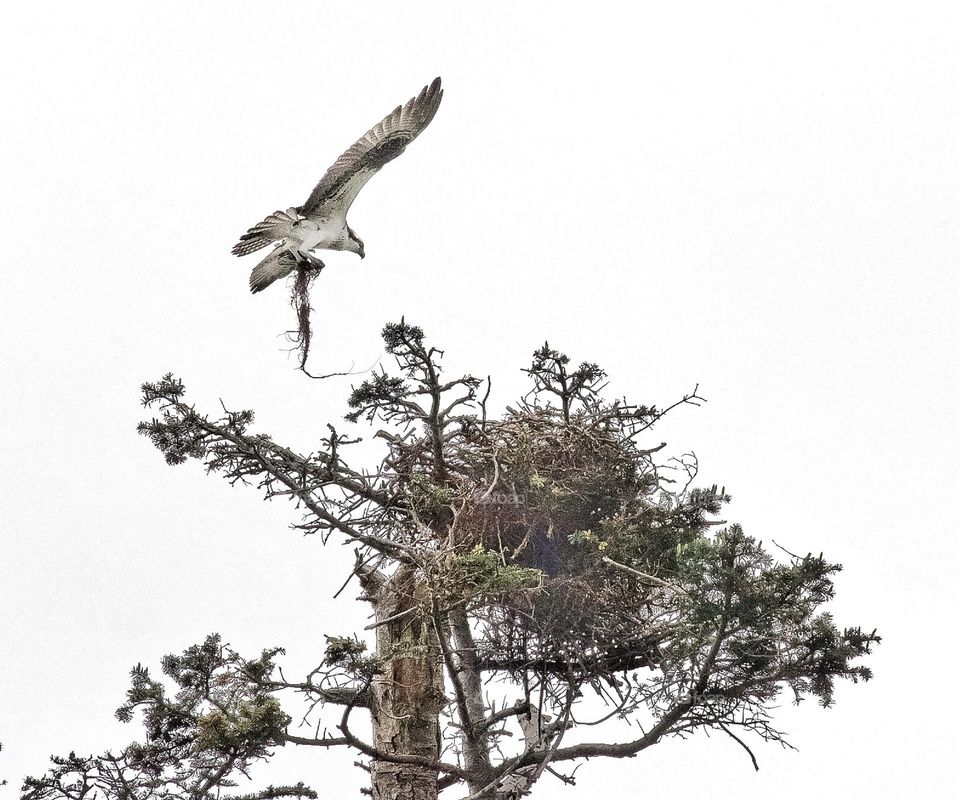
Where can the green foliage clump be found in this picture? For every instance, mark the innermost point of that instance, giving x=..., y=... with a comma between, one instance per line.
x=179, y=432
x=258, y=719
x=693, y=559
x=483, y=572
x=766, y=615
x=429, y=497
x=398, y=336
x=380, y=390
x=221, y=704
x=654, y=536
x=221, y=719
x=349, y=654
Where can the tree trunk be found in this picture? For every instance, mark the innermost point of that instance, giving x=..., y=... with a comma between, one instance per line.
x=408, y=695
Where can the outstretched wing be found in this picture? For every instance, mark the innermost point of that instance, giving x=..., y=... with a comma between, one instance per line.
x=275, y=227
x=338, y=188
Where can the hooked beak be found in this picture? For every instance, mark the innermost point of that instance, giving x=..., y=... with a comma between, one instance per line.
x=362, y=254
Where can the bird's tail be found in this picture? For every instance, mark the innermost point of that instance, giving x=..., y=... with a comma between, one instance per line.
x=280, y=263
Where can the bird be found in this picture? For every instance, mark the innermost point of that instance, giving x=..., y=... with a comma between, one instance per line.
x=321, y=222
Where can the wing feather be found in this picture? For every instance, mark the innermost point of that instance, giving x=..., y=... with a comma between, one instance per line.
x=278, y=264
x=339, y=186
x=275, y=227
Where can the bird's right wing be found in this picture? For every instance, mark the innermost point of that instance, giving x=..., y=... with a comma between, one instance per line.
x=280, y=263
x=338, y=188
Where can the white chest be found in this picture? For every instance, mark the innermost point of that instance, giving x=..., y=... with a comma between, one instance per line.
x=325, y=234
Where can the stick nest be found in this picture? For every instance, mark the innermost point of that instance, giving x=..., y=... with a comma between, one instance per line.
x=544, y=502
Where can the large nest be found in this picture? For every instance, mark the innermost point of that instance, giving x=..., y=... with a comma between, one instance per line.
x=580, y=503
x=555, y=479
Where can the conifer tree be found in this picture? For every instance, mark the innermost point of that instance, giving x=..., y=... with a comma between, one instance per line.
x=528, y=572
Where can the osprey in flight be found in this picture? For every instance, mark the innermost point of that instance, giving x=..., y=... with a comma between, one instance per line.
x=321, y=222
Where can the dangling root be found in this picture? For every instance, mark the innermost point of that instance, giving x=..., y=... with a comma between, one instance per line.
x=300, y=300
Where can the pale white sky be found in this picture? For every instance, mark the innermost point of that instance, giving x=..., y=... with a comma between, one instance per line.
x=760, y=197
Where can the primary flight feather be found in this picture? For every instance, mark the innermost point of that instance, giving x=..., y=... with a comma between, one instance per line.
x=321, y=222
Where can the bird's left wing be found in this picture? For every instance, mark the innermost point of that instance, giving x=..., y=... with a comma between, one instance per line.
x=381, y=144
x=275, y=227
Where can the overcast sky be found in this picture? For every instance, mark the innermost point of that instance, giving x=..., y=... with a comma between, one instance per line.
x=761, y=198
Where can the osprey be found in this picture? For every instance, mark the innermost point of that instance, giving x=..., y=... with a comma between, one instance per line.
x=321, y=222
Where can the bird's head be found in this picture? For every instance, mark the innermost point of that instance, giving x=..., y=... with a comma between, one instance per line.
x=354, y=243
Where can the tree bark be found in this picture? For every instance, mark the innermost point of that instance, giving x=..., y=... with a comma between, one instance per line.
x=407, y=696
